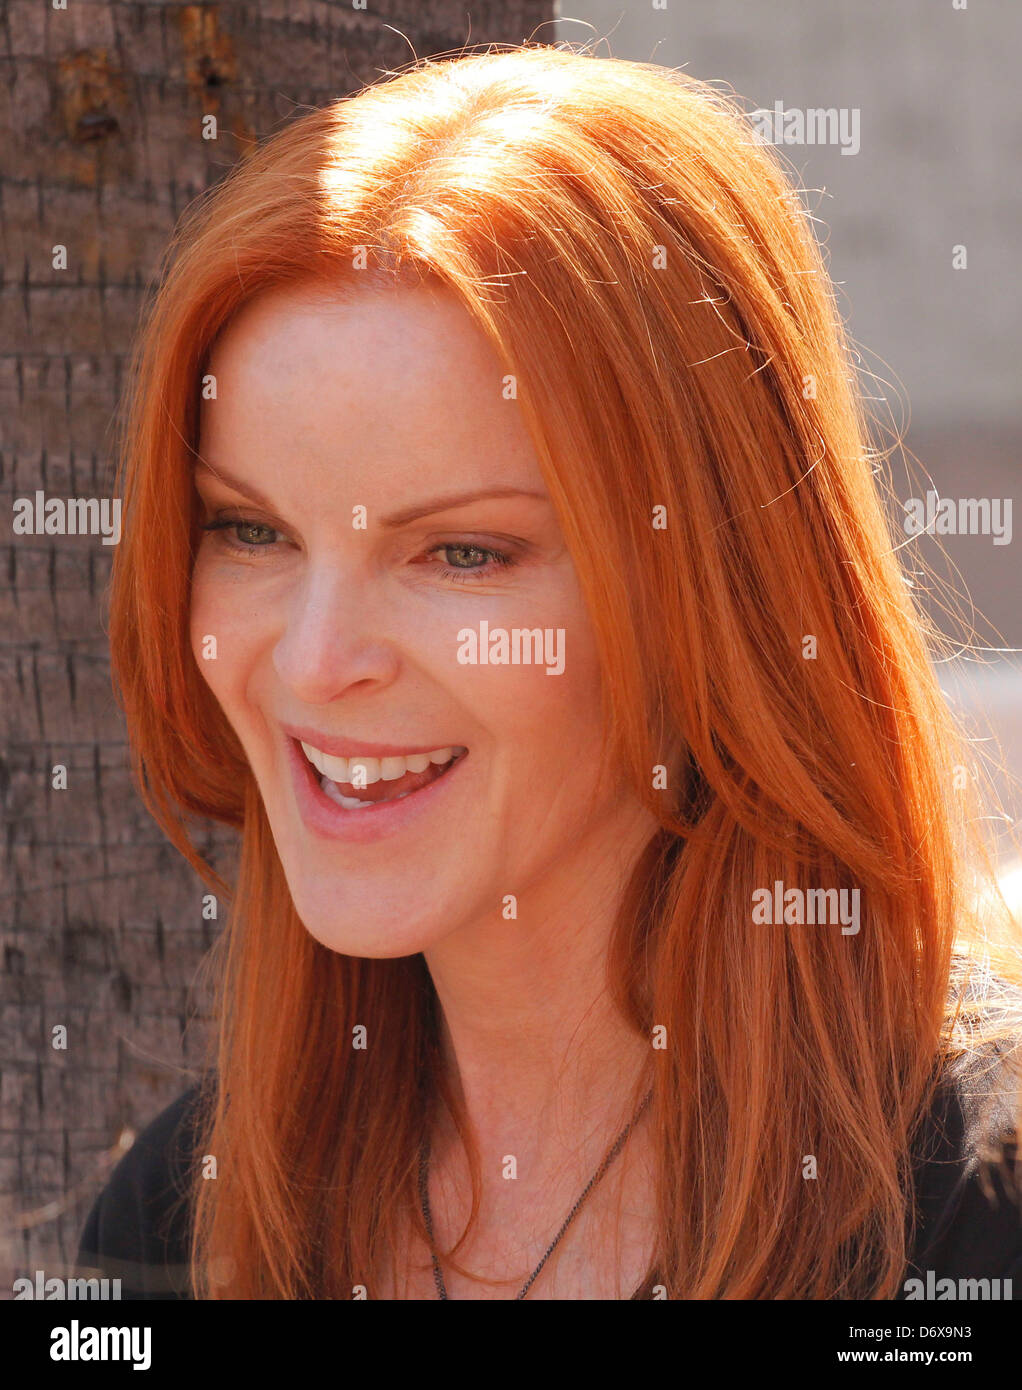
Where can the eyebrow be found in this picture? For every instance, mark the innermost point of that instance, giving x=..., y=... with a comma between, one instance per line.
x=444, y=502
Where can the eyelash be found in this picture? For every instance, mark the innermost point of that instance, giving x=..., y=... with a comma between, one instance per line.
x=500, y=559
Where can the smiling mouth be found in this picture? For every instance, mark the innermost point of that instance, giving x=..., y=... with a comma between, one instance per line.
x=358, y=782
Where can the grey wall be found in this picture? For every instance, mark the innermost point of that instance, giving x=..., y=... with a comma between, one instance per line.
x=940, y=135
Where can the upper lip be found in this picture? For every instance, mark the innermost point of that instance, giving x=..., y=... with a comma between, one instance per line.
x=351, y=747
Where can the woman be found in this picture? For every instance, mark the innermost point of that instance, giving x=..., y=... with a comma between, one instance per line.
x=503, y=557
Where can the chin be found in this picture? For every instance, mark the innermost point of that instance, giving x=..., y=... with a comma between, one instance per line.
x=346, y=926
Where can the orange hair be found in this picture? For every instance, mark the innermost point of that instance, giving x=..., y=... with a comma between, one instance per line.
x=644, y=269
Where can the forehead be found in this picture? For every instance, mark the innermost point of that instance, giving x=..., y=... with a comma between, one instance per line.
x=401, y=378
x=413, y=337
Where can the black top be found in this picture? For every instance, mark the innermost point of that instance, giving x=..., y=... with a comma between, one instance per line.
x=969, y=1227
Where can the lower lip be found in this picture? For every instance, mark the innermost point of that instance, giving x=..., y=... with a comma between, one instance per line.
x=324, y=817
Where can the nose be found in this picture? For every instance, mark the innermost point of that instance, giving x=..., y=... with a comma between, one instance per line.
x=333, y=639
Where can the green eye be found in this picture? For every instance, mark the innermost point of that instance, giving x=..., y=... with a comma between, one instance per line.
x=460, y=573
x=227, y=524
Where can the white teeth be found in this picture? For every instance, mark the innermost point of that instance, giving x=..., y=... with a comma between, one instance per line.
x=350, y=803
x=314, y=756
x=334, y=768
x=362, y=771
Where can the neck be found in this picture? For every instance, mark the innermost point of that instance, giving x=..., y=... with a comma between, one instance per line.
x=540, y=1059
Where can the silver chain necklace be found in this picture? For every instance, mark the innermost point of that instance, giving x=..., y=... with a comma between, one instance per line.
x=438, y=1277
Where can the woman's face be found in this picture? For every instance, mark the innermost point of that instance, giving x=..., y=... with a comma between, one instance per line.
x=383, y=498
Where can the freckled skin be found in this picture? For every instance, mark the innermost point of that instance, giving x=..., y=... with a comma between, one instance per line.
x=383, y=401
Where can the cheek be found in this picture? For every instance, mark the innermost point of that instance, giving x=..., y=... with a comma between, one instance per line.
x=222, y=639
x=548, y=725
x=205, y=628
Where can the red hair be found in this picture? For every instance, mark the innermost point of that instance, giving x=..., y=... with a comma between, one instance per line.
x=646, y=272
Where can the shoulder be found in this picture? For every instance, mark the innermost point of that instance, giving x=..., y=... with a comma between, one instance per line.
x=139, y=1228
x=968, y=1179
